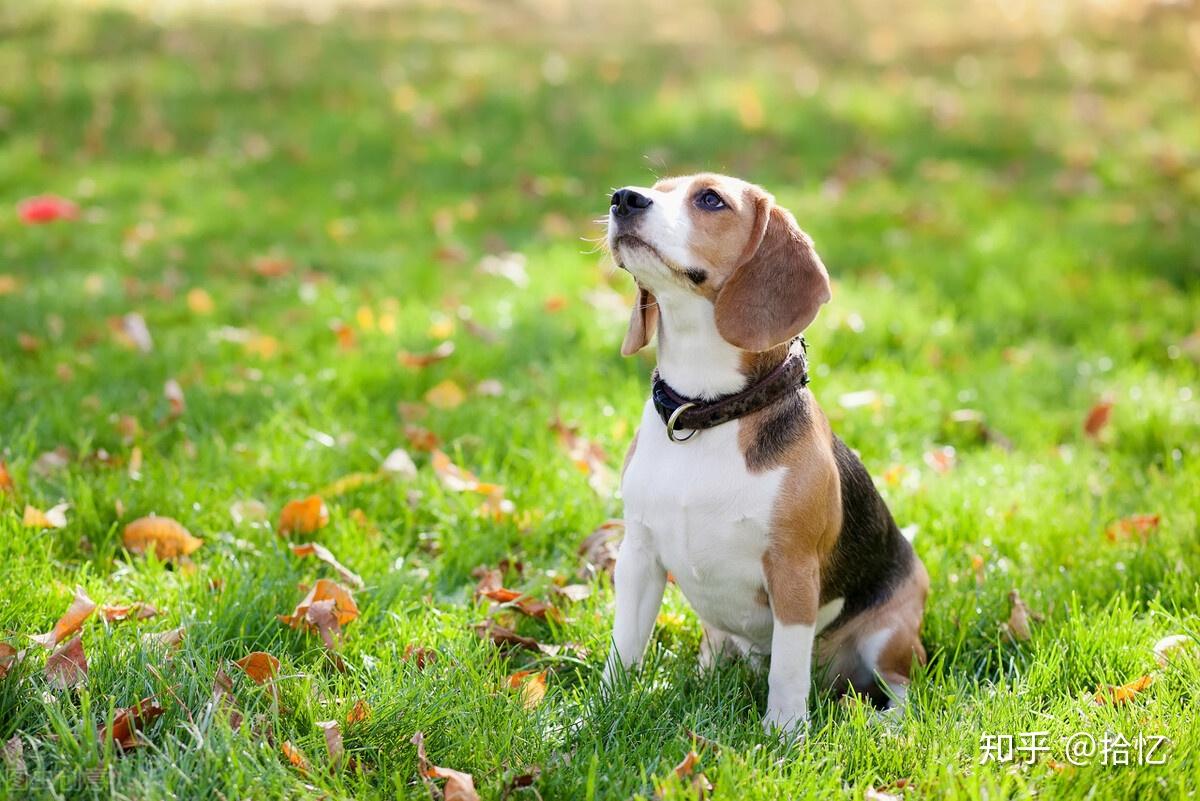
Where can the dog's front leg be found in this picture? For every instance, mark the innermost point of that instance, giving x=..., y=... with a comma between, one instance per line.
x=794, y=591
x=639, y=580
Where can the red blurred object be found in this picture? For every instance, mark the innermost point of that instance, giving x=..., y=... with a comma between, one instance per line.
x=46, y=209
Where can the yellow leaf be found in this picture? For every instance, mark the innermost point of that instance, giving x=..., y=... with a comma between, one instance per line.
x=445, y=395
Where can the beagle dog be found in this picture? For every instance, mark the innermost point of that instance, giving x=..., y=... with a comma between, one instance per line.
x=734, y=484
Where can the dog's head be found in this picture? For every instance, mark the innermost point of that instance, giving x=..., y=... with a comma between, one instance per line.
x=722, y=239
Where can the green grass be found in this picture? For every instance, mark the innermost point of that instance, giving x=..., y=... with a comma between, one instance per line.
x=1011, y=219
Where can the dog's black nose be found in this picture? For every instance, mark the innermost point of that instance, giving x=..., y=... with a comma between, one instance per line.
x=627, y=203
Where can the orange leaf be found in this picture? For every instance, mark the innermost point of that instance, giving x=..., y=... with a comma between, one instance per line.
x=6, y=482
x=532, y=686
x=1097, y=418
x=8, y=655
x=1124, y=693
x=303, y=516
x=80, y=610
x=259, y=665
x=115, y=613
x=294, y=756
x=1127, y=527
x=323, y=553
x=172, y=638
x=345, y=610
x=55, y=517
x=128, y=720
x=459, y=786
x=419, y=360
x=164, y=537
x=445, y=395
x=360, y=712
x=421, y=439
x=67, y=667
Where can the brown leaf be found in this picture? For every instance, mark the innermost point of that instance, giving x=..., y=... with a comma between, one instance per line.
x=176, y=402
x=686, y=769
x=322, y=617
x=8, y=657
x=501, y=635
x=67, y=667
x=14, y=759
x=1141, y=526
x=458, y=479
x=54, y=517
x=445, y=395
x=128, y=721
x=303, y=516
x=599, y=549
x=344, y=607
x=419, y=655
x=323, y=553
x=172, y=638
x=421, y=439
x=333, y=742
x=1018, y=618
x=162, y=536
x=1097, y=418
x=1124, y=693
x=294, y=756
x=360, y=712
x=259, y=665
x=587, y=456
x=72, y=620
x=419, y=360
x=459, y=786
x=532, y=686
x=6, y=482
x=115, y=613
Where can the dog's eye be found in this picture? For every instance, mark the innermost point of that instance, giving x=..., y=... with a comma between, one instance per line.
x=709, y=200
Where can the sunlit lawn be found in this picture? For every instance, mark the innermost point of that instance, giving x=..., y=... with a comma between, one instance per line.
x=1011, y=219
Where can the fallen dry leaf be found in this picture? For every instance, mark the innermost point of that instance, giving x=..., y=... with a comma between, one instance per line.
x=176, y=403
x=418, y=360
x=942, y=459
x=1124, y=693
x=303, y=516
x=81, y=609
x=328, y=618
x=575, y=592
x=445, y=395
x=399, y=463
x=54, y=517
x=501, y=635
x=458, y=479
x=873, y=794
x=1018, y=618
x=14, y=759
x=295, y=757
x=129, y=721
x=251, y=511
x=587, y=456
x=419, y=655
x=459, y=786
x=421, y=439
x=6, y=482
x=490, y=587
x=115, y=613
x=1097, y=418
x=599, y=549
x=67, y=667
x=323, y=553
x=200, y=302
x=686, y=769
x=532, y=686
x=1174, y=647
x=1141, y=526
x=360, y=712
x=349, y=483
x=333, y=742
x=8, y=656
x=162, y=536
x=259, y=665
x=171, y=638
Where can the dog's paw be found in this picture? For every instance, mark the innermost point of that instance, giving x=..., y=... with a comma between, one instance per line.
x=786, y=723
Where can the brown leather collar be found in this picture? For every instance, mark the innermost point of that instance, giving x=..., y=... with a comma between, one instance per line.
x=689, y=414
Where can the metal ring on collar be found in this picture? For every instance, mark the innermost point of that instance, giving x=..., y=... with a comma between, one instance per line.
x=671, y=424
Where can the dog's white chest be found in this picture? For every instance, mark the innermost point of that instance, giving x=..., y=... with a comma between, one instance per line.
x=708, y=518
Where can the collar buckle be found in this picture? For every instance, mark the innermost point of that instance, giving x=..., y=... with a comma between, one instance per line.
x=674, y=418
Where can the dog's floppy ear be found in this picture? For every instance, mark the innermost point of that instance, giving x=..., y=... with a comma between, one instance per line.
x=775, y=293
x=642, y=322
